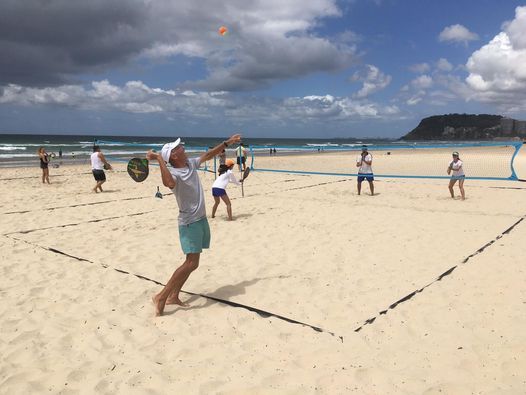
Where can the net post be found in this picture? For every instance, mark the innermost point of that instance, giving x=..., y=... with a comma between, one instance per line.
x=517, y=148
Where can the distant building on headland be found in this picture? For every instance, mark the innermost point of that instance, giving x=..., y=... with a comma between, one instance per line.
x=512, y=127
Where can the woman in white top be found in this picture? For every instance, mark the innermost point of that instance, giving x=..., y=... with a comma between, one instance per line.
x=455, y=167
x=219, y=187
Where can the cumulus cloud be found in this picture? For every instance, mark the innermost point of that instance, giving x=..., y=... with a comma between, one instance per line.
x=458, y=34
x=420, y=68
x=373, y=81
x=516, y=29
x=53, y=43
x=496, y=70
x=422, y=82
x=136, y=97
x=444, y=65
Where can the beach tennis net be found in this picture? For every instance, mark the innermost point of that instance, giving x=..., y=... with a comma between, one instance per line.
x=485, y=161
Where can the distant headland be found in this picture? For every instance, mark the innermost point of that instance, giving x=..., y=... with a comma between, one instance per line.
x=468, y=127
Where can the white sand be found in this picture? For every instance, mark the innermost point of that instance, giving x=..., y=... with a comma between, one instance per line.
x=305, y=247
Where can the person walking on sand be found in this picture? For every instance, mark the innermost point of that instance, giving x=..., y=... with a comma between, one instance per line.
x=241, y=153
x=182, y=178
x=98, y=164
x=455, y=167
x=44, y=164
x=219, y=187
x=365, y=171
x=222, y=157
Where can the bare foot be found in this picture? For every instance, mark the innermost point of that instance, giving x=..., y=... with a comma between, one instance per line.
x=159, y=305
x=177, y=301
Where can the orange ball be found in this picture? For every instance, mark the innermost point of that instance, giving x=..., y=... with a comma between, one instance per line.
x=222, y=30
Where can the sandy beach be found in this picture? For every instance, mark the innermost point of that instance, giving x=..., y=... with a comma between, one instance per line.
x=412, y=292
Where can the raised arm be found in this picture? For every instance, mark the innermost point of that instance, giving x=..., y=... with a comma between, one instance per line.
x=236, y=138
x=168, y=180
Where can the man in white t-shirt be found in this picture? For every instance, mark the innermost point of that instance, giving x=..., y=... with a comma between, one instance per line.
x=365, y=171
x=457, y=174
x=98, y=164
x=241, y=153
x=180, y=175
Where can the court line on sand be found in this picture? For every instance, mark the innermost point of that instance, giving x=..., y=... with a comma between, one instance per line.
x=267, y=314
x=440, y=277
x=262, y=313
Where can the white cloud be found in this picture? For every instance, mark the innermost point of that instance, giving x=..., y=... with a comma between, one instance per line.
x=516, y=29
x=136, y=97
x=373, y=81
x=420, y=68
x=444, y=65
x=414, y=100
x=497, y=71
x=422, y=82
x=457, y=33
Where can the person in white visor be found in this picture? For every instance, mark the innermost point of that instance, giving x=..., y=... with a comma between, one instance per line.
x=179, y=173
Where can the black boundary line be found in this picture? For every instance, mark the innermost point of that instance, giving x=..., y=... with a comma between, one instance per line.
x=261, y=313
x=440, y=277
x=129, y=215
x=78, y=223
x=54, y=175
x=82, y=204
x=164, y=194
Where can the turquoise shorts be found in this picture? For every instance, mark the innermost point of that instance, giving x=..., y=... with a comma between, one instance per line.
x=195, y=236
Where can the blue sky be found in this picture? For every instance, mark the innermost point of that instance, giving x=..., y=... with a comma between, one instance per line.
x=294, y=68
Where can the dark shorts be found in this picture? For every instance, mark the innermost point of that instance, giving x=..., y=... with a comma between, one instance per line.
x=368, y=177
x=99, y=175
x=241, y=160
x=44, y=165
x=218, y=192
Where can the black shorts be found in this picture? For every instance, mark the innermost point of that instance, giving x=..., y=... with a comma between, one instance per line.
x=99, y=175
x=241, y=160
x=44, y=165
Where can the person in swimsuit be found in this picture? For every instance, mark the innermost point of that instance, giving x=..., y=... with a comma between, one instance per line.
x=44, y=164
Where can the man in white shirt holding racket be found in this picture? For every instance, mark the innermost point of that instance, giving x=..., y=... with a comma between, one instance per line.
x=365, y=171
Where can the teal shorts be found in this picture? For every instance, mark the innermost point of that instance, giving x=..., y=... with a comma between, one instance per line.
x=195, y=236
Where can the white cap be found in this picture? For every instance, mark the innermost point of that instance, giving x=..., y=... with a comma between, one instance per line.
x=167, y=149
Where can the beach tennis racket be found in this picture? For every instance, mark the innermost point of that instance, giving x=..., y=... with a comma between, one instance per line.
x=246, y=173
x=138, y=169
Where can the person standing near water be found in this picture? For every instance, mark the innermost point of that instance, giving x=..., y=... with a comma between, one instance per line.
x=44, y=164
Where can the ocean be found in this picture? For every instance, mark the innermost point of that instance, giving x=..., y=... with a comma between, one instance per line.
x=20, y=149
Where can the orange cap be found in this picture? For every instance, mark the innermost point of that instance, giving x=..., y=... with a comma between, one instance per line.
x=229, y=162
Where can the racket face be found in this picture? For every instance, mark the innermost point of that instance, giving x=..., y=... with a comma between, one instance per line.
x=138, y=169
x=246, y=173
